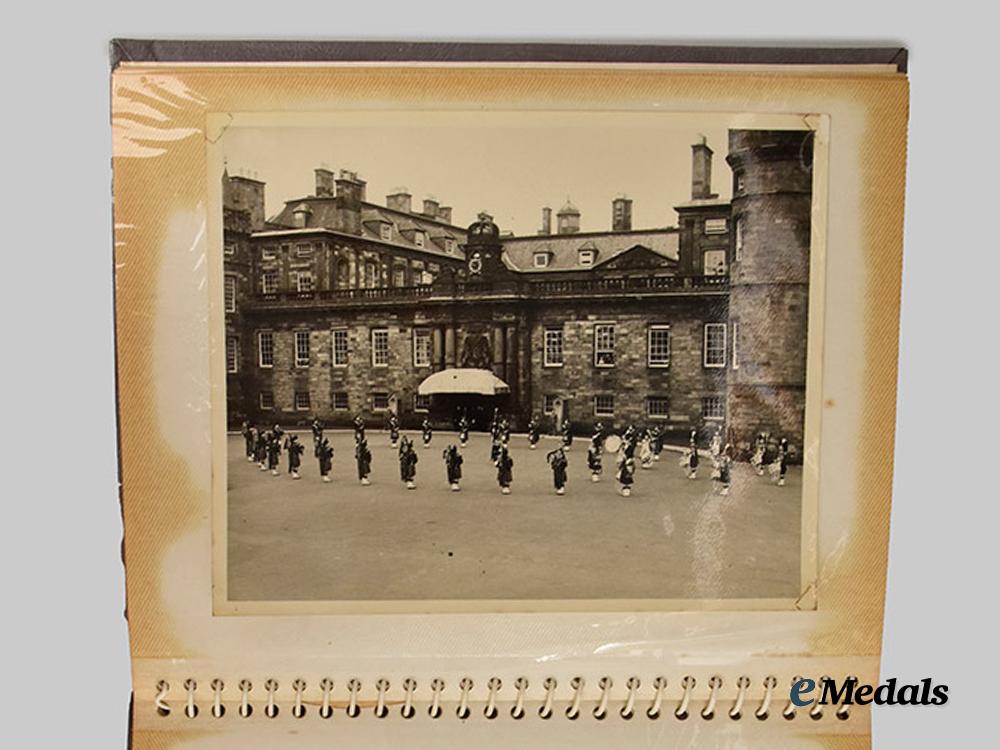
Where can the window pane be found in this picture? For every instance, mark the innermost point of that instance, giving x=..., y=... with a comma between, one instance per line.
x=380, y=347
x=302, y=348
x=265, y=347
x=553, y=346
x=340, y=347
x=715, y=345
x=658, y=406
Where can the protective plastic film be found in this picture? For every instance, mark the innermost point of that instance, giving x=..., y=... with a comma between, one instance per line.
x=674, y=488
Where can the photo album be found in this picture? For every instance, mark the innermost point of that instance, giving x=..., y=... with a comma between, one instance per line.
x=495, y=393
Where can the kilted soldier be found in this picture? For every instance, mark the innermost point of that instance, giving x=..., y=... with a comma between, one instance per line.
x=534, y=433
x=693, y=438
x=779, y=468
x=567, y=434
x=656, y=442
x=463, y=430
x=594, y=461
x=260, y=448
x=505, y=470
x=453, y=466
x=759, y=448
x=625, y=474
x=295, y=450
x=557, y=460
x=248, y=439
x=274, y=453
x=504, y=431
x=324, y=452
x=715, y=446
x=317, y=433
x=408, y=463
x=597, y=438
x=645, y=452
x=690, y=461
x=359, y=429
x=495, y=422
x=428, y=433
x=364, y=458
x=278, y=432
x=393, y=429
x=630, y=438
x=723, y=478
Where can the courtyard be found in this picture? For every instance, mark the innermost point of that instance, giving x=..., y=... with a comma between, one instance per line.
x=674, y=538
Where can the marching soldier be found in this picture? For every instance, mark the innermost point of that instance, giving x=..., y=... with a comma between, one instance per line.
x=594, y=460
x=725, y=471
x=408, y=463
x=505, y=470
x=626, y=474
x=428, y=433
x=295, y=450
x=780, y=466
x=598, y=437
x=453, y=466
x=567, y=434
x=274, y=452
x=534, y=433
x=247, y=431
x=557, y=460
x=759, y=448
x=463, y=430
x=317, y=433
x=359, y=429
x=393, y=430
x=324, y=453
x=364, y=458
x=260, y=449
x=715, y=446
x=656, y=441
x=646, y=452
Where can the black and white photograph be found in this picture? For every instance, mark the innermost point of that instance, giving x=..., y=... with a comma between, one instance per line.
x=517, y=358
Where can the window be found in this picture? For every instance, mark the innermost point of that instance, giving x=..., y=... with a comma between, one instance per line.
x=340, y=402
x=713, y=407
x=303, y=251
x=604, y=345
x=586, y=257
x=604, y=405
x=553, y=347
x=549, y=403
x=269, y=281
x=340, y=350
x=269, y=252
x=304, y=281
x=380, y=347
x=449, y=246
x=716, y=226
x=385, y=231
x=715, y=345
x=232, y=354
x=302, y=348
x=266, y=400
x=658, y=407
x=658, y=346
x=714, y=262
x=421, y=403
x=229, y=249
x=738, y=242
x=419, y=239
x=343, y=274
x=229, y=294
x=541, y=260
x=301, y=401
x=265, y=349
x=399, y=276
x=736, y=351
x=371, y=274
x=421, y=347
x=380, y=402
x=741, y=182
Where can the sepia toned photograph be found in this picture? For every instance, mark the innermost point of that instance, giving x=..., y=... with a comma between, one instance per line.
x=516, y=358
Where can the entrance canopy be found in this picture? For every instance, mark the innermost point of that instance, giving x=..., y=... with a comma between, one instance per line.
x=463, y=380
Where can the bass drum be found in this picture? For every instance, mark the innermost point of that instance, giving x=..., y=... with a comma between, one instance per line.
x=612, y=443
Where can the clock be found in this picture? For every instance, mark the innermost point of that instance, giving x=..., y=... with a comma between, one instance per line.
x=476, y=263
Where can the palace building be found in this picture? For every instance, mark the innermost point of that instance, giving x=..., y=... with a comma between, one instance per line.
x=338, y=306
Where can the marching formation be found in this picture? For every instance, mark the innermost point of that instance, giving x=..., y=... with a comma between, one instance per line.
x=642, y=446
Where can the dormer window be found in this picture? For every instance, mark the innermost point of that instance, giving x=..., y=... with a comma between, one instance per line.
x=541, y=260
x=418, y=238
x=586, y=257
x=385, y=231
x=449, y=245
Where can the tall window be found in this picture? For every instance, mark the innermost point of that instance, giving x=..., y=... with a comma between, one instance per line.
x=232, y=354
x=340, y=402
x=269, y=281
x=736, y=351
x=265, y=349
x=604, y=405
x=738, y=241
x=658, y=346
x=371, y=274
x=302, y=348
x=553, y=347
x=266, y=399
x=302, y=401
x=604, y=345
x=380, y=347
x=421, y=347
x=340, y=350
x=658, y=407
x=399, y=276
x=304, y=281
x=715, y=345
x=229, y=294
x=713, y=407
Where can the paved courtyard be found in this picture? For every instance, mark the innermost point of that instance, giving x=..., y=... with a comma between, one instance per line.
x=673, y=538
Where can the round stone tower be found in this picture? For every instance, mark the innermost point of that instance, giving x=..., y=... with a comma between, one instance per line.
x=769, y=282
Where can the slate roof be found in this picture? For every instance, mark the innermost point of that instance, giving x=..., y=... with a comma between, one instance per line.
x=519, y=252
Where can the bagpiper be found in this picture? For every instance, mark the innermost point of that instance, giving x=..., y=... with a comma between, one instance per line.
x=779, y=468
x=597, y=438
x=428, y=433
x=594, y=460
x=504, y=431
x=645, y=452
x=759, y=448
x=463, y=430
x=690, y=461
x=393, y=430
x=505, y=470
x=359, y=428
x=324, y=453
x=248, y=439
x=534, y=433
x=364, y=458
x=557, y=460
x=260, y=451
x=630, y=439
x=625, y=474
x=715, y=446
x=725, y=471
x=567, y=434
x=453, y=466
x=295, y=450
x=274, y=453
x=317, y=433
x=408, y=463
x=656, y=442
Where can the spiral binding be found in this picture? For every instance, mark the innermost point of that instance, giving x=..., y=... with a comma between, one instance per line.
x=321, y=700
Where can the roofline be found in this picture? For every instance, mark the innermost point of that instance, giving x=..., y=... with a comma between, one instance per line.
x=301, y=231
x=654, y=230
x=380, y=207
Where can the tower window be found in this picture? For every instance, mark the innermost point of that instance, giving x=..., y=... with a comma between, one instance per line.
x=232, y=354
x=304, y=281
x=269, y=281
x=738, y=241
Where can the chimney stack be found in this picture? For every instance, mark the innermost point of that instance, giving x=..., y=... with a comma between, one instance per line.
x=444, y=214
x=621, y=214
x=400, y=200
x=546, y=221
x=568, y=219
x=431, y=207
x=324, y=183
x=701, y=170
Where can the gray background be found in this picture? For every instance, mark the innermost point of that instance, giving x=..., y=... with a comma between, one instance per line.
x=65, y=675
